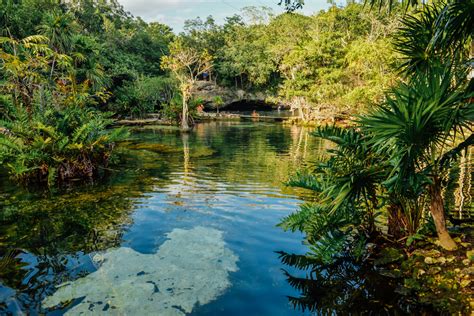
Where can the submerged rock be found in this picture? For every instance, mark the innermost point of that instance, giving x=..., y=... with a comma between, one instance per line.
x=158, y=148
x=389, y=255
x=202, y=152
x=191, y=268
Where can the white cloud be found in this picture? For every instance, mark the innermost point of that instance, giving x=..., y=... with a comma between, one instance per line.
x=175, y=12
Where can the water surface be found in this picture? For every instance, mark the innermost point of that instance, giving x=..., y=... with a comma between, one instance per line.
x=67, y=251
x=183, y=224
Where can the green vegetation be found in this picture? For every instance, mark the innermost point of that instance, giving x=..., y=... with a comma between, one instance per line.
x=335, y=63
x=63, y=66
x=48, y=131
x=401, y=78
x=74, y=61
x=57, y=145
x=391, y=169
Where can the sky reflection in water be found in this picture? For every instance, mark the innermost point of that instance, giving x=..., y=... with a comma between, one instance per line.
x=225, y=177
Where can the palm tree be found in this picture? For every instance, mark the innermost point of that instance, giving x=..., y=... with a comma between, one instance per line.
x=347, y=188
x=424, y=125
x=59, y=28
x=421, y=120
x=425, y=115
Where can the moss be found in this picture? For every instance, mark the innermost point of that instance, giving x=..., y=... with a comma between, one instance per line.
x=158, y=148
x=435, y=277
x=389, y=255
x=202, y=152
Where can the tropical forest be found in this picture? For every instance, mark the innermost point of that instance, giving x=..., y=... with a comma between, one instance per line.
x=251, y=157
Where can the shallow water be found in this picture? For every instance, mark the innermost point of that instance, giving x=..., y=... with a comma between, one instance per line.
x=182, y=224
x=224, y=177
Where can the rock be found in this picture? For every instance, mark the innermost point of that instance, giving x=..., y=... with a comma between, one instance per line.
x=420, y=272
x=467, y=271
x=208, y=91
x=429, y=260
x=427, y=253
x=191, y=268
x=434, y=270
x=465, y=283
x=441, y=260
x=388, y=255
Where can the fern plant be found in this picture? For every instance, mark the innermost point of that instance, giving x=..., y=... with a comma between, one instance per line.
x=57, y=145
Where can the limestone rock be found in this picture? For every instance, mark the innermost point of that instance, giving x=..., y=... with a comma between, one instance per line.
x=207, y=91
x=191, y=268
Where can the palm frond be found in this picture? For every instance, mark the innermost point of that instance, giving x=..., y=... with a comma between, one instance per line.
x=302, y=262
x=306, y=180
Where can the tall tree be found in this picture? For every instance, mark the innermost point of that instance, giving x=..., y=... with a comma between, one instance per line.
x=187, y=65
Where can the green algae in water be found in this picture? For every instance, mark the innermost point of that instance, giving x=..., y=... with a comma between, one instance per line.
x=191, y=268
x=158, y=148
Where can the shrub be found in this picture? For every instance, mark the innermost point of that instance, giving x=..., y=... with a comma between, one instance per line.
x=56, y=145
x=142, y=96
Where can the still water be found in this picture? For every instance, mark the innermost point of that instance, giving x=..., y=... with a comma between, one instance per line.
x=182, y=224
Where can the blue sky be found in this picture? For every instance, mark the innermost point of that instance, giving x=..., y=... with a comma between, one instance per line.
x=175, y=12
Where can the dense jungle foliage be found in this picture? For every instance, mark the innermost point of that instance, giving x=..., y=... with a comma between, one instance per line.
x=400, y=72
x=386, y=177
x=66, y=62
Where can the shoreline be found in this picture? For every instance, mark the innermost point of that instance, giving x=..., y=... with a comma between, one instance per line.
x=154, y=119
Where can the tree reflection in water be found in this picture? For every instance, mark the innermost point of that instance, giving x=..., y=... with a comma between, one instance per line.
x=48, y=237
x=344, y=287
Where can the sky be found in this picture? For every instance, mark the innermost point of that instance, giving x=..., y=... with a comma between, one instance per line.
x=175, y=12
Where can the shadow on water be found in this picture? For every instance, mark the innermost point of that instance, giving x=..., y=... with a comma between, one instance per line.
x=346, y=288
x=164, y=180
x=225, y=176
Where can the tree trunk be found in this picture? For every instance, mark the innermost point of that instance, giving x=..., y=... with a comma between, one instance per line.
x=396, y=222
x=471, y=55
x=437, y=211
x=185, y=114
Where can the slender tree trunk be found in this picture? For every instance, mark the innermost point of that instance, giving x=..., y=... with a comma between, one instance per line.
x=185, y=114
x=396, y=222
x=437, y=211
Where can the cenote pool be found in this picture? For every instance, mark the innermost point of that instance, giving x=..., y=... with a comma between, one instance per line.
x=182, y=224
